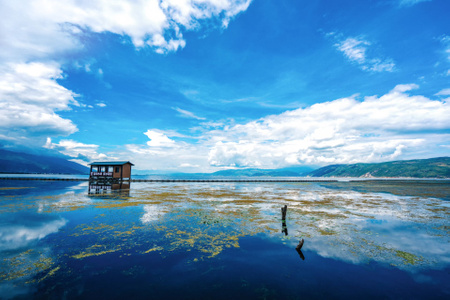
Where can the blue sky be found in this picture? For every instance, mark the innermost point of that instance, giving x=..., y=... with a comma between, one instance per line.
x=204, y=85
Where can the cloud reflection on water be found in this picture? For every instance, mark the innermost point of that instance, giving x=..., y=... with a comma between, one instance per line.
x=19, y=230
x=206, y=220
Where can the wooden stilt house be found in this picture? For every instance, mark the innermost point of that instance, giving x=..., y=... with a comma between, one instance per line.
x=111, y=170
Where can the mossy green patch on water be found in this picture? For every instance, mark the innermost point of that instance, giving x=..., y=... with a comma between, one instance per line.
x=326, y=231
x=93, y=251
x=156, y=248
x=204, y=222
x=51, y=273
x=25, y=265
x=408, y=257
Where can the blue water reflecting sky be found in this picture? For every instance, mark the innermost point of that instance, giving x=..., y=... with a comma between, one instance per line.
x=224, y=240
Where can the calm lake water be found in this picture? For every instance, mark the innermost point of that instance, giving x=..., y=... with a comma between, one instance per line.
x=374, y=239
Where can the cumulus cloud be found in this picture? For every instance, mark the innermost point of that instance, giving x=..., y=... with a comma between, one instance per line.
x=37, y=28
x=355, y=49
x=163, y=152
x=29, y=99
x=345, y=130
x=35, y=33
x=340, y=131
x=80, y=153
x=158, y=139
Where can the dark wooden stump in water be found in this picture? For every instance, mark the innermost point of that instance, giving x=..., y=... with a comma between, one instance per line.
x=283, y=220
x=301, y=254
x=283, y=213
x=284, y=229
x=299, y=247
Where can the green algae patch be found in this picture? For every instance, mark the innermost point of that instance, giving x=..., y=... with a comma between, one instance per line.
x=25, y=265
x=210, y=220
x=89, y=253
x=326, y=231
x=408, y=257
x=92, y=229
x=205, y=222
x=156, y=248
x=51, y=273
x=120, y=204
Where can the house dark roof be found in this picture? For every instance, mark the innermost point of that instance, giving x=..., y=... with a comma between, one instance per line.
x=110, y=163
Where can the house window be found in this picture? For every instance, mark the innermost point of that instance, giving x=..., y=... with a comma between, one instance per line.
x=103, y=169
x=117, y=169
x=110, y=169
x=94, y=169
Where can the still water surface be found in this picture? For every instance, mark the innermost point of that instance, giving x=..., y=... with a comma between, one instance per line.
x=385, y=239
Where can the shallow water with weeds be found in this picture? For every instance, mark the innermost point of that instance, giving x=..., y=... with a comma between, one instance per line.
x=377, y=239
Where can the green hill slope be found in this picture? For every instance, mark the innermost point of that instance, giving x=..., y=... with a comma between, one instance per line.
x=419, y=168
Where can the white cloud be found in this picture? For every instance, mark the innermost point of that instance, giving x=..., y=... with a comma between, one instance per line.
x=29, y=98
x=187, y=114
x=37, y=28
x=444, y=92
x=164, y=153
x=188, y=165
x=28, y=32
x=445, y=40
x=340, y=131
x=81, y=153
x=33, y=33
x=411, y=2
x=159, y=139
x=355, y=49
x=393, y=126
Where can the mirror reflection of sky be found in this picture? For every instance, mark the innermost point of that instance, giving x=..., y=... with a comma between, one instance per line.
x=223, y=240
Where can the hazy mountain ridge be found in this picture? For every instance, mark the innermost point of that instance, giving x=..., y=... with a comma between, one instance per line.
x=438, y=167
x=284, y=172
x=18, y=162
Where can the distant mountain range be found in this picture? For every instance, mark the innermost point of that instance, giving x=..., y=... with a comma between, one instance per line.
x=418, y=168
x=18, y=162
x=285, y=172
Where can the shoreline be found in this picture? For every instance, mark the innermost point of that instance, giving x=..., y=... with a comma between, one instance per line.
x=244, y=180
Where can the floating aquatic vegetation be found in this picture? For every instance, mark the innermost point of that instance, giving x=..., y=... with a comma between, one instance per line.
x=408, y=257
x=203, y=222
x=94, y=250
x=25, y=264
